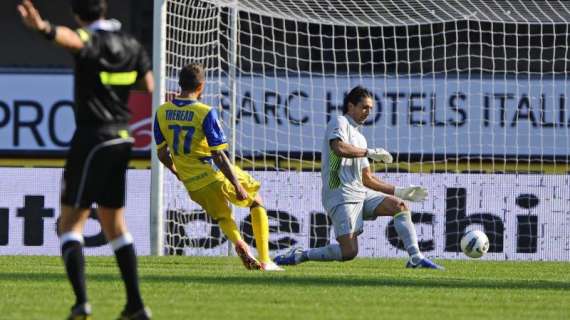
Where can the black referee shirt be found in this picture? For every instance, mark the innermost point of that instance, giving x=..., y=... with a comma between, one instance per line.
x=106, y=68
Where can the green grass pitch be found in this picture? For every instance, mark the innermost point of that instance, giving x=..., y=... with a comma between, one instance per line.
x=219, y=288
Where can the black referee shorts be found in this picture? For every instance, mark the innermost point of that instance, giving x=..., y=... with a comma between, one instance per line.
x=95, y=169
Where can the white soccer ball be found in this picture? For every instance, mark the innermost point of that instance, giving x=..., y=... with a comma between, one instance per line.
x=475, y=244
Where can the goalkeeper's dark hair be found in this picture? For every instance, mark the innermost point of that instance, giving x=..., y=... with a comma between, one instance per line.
x=89, y=10
x=355, y=96
x=191, y=76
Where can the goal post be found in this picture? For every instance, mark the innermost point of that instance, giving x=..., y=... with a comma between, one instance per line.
x=471, y=97
x=157, y=171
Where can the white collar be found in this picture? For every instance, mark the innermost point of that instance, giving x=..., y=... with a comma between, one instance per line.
x=352, y=122
x=105, y=25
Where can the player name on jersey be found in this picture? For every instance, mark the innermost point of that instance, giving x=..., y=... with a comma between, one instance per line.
x=179, y=115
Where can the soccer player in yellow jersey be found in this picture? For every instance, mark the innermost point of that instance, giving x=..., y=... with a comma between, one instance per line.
x=190, y=143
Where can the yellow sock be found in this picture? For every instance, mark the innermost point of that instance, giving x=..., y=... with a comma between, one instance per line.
x=229, y=228
x=260, y=224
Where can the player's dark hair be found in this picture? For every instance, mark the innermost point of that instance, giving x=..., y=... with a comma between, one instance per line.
x=191, y=76
x=355, y=96
x=89, y=10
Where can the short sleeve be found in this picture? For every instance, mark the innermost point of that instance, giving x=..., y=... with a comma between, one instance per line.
x=158, y=136
x=213, y=131
x=364, y=163
x=83, y=34
x=143, y=63
x=337, y=129
x=87, y=51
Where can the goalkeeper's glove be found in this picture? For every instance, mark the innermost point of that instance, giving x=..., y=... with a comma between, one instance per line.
x=379, y=154
x=411, y=193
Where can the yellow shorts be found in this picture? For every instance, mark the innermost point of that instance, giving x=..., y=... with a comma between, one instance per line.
x=216, y=197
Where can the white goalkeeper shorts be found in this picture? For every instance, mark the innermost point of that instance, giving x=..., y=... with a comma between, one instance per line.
x=349, y=218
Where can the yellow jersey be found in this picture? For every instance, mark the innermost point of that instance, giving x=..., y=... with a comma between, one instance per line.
x=191, y=130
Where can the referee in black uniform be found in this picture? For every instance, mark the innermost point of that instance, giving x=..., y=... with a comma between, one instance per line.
x=108, y=63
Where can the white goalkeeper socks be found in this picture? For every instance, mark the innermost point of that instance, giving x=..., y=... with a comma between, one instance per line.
x=407, y=233
x=331, y=252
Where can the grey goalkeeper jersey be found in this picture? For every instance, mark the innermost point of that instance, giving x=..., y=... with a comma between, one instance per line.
x=342, y=177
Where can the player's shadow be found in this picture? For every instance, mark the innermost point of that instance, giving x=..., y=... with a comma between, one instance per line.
x=318, y=281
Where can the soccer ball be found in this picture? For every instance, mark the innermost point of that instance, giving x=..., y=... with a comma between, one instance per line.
x=475, y=244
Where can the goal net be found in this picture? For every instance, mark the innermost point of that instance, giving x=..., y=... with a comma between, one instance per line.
x=471, y=97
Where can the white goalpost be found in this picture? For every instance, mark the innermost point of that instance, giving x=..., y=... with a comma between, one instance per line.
x=471, y=97
x=158, y=98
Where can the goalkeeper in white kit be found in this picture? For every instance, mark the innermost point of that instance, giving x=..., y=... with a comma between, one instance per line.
x=351, y=193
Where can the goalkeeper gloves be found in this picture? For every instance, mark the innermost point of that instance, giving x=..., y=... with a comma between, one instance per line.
x=379, y=154
x=411, y=193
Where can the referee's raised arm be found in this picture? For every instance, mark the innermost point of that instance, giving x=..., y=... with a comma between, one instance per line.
x=60, y=35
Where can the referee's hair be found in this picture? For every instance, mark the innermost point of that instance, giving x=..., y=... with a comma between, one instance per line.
x=89, y=10
x=355, y=96
x=191, y=76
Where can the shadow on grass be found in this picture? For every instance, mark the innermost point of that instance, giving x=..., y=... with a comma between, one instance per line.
x=307, y=281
